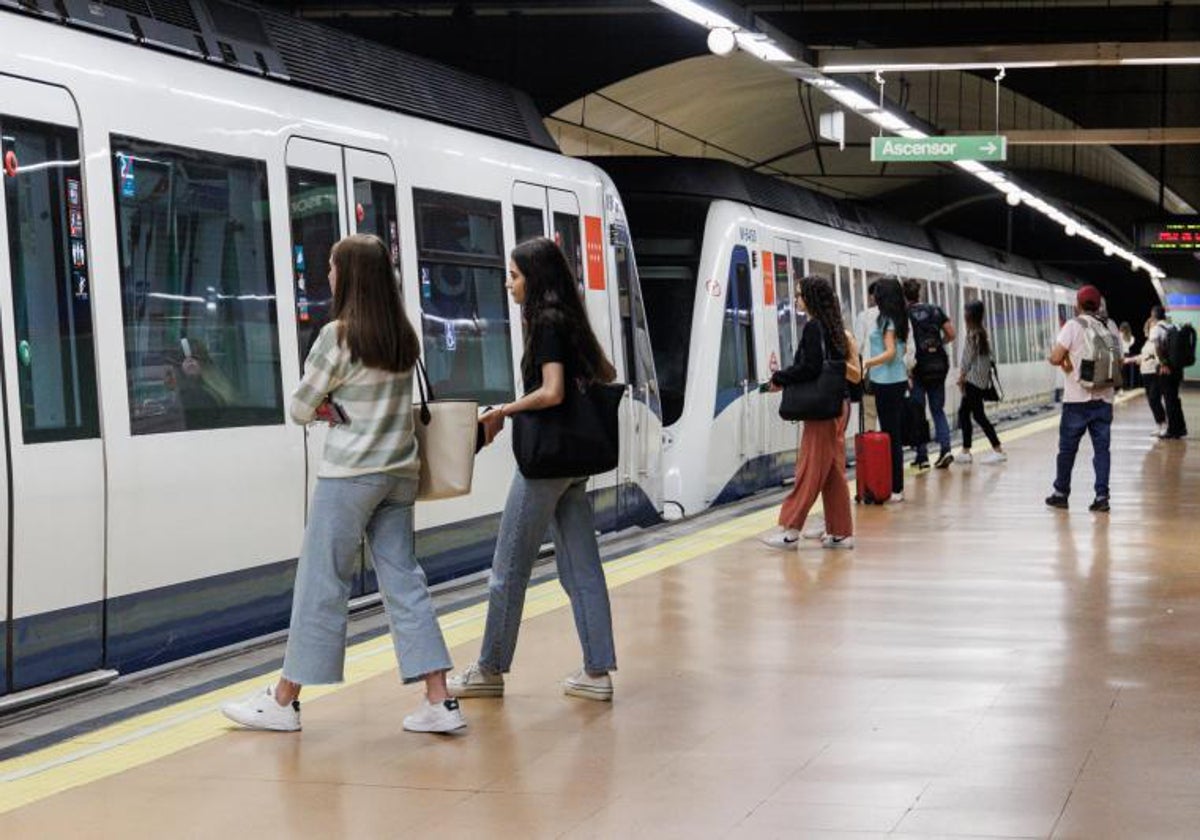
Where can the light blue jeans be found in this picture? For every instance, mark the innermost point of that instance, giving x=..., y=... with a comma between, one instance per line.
x=533, y=506
x=380, y=505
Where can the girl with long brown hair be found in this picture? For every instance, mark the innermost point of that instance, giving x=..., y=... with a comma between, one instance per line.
x=560, y=349
x=821, y=464
x=358, y=377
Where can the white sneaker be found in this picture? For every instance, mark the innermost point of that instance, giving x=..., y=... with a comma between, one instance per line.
x=895, y=498
x=436, y=717
x=781, y=538
x=476, y=682
x=814, y=531
x=1159, y=432
x=837, y=542
x=582, y=684
x=260, y=711
x=962, y=458
x=993, y=457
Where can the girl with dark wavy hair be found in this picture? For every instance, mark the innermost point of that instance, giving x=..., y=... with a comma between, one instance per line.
x=560, y=348
x=974, y=379
x=889, y=376
x=821, y=463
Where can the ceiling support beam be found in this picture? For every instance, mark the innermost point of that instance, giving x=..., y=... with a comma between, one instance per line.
x=1105, y=137
x=1013, y=56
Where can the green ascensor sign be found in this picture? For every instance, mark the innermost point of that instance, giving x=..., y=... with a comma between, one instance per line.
x=938, y=149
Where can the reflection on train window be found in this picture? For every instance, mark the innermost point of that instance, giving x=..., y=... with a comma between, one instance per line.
x=784, y=310
x=198, y=291
x=736, y=369
x=56, y=363
x=464, y=305
x=528, y=223
x=375, y=213
x=313, y=215
x=639, y=353
x=566, y=235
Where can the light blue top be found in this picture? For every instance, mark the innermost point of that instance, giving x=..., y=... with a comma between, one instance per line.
x=890, y=372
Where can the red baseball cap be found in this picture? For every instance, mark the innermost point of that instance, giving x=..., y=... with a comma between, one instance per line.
x=1089, y=297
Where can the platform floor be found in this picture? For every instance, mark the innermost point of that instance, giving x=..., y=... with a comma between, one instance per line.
x=979, y=666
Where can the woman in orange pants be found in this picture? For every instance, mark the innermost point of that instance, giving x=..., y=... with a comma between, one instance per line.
x=821, y=465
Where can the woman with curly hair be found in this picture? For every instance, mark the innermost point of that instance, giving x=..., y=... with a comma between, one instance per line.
x=821, y=465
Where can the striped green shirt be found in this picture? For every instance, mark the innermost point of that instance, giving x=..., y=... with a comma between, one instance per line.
x=379, y=436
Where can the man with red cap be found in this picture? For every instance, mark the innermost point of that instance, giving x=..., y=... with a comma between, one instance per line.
x=1088, y=350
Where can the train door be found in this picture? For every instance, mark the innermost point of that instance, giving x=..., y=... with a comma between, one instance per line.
x=737, y=376
x=783, y=283
x=333, y=191
x=52, y=532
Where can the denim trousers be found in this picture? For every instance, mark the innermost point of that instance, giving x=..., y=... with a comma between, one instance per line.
x=342, y=510
x=1094, y=417
x=936, y=397
x=533, y=506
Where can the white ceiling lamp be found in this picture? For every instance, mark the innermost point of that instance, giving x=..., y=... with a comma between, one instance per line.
x=699, y=13
x=722, y=41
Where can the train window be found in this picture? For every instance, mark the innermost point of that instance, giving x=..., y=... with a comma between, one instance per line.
x=56, y=363
x=736, y=368
x=785, y=309
x=639, y=351
x=566, y=235
x=464, y=306
x=528, y=223
x=198, y=289
x=375, y=213
x=313, y=215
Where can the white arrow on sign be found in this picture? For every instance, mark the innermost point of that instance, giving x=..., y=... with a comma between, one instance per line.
x=990, y=148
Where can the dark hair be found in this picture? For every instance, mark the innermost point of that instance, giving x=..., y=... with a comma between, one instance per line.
x=367, y=306
x=973, y=314
x=871, y=288
x=1158, y=313
x=553, y=299
x=822, y=305
x=912, y=290
x=890, y=301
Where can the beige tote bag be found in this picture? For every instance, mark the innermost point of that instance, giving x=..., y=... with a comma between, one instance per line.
x=446, y=438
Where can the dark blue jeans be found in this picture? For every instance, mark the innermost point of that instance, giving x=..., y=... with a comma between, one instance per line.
x=1095, y=418
x=936, y=395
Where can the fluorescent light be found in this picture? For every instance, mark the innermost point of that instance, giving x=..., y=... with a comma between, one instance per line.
x=912, y=133
x=698, y=13
x=972, y=166
x=1183, y=59
x=933, y=66
x=851, y=99
x=763, y=47
x=887, y=120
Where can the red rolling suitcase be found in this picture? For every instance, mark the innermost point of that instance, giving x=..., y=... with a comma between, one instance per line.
x=872, y=465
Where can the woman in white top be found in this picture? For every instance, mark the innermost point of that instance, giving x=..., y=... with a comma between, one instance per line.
x=1149, y=366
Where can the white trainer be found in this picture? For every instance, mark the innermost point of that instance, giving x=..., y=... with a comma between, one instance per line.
x=475, y=682
x=837, y=542
x=260, y=711
x=436, y=717
x=781, y=538
x=962, y=458
x=582, y=684
x=993, y=457
x=814, y=529
x=895, y=498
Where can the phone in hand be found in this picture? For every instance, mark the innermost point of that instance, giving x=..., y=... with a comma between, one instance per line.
x=332, y=413
x=764, y=387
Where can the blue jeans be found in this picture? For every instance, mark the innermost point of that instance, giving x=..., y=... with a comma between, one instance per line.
x=533, y=506
x=380, y=505
x=1095, y=418
x=936, y=395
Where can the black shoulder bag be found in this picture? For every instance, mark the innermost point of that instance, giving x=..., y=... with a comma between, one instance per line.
x=580, y=436
x=820, y=398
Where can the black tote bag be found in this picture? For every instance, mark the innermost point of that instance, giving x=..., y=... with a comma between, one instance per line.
x=580, y=436
x=820, y=398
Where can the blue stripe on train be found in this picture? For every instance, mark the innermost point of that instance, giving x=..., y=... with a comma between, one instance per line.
x=173, y=622
x=757, y=474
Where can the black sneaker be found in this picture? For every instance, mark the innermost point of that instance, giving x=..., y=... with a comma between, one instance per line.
x=1100, y=505
x=944, y=460
x=920, y=465
x=1057, y=500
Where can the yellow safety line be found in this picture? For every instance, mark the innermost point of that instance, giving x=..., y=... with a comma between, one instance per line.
x=154, y=735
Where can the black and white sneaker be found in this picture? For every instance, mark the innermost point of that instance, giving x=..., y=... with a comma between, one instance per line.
x=1100, y=505
x=1057, y=500
x=944, y=461
x=260, y=711
x=781, y=538
x=436, y=717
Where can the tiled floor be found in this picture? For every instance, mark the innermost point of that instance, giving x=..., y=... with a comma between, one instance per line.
x=979, y=667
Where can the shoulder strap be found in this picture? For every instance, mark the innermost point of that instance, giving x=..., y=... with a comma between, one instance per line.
x=425, y=387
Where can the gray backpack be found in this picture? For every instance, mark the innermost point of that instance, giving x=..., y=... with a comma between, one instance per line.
x=1100, y=366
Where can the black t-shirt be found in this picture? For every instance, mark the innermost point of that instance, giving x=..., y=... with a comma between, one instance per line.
x=550, y=344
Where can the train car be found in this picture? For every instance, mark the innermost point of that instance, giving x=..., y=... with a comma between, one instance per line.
x=174, y=177
x=719, y=251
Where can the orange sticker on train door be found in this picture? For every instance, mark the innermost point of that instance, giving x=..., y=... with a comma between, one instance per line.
x=768, y=278
x=593, y=229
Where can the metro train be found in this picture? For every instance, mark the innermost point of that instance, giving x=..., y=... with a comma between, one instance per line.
x=720, y=250
x=168, y=215
x=175, y=173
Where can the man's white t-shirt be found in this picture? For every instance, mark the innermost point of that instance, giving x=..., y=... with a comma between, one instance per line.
x=1073, y=338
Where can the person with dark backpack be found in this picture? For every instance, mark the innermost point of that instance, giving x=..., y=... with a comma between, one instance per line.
x=1176, y=352
x=931, y=332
